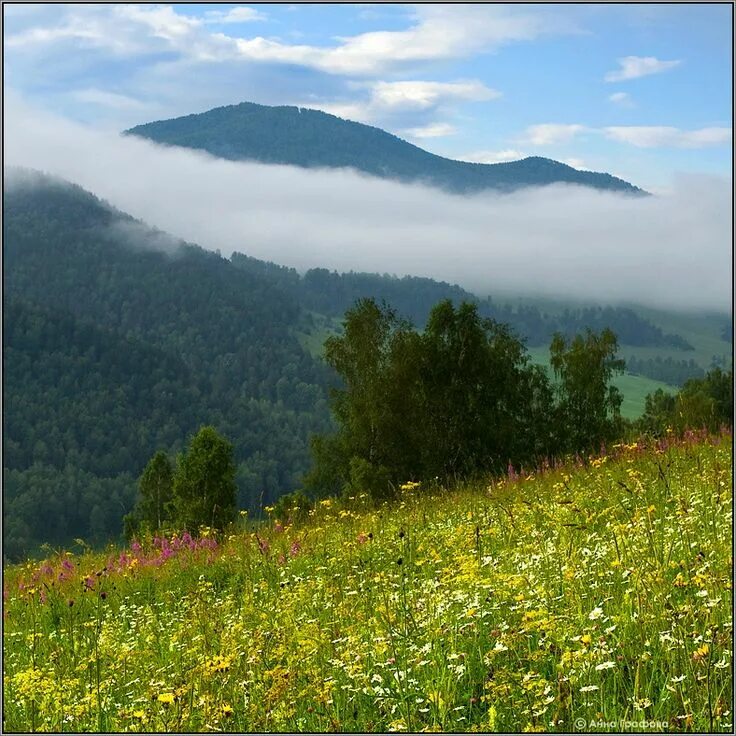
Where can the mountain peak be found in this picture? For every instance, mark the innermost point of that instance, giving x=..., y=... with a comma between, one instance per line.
x=300, y=136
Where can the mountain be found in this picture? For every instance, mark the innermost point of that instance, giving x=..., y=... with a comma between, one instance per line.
x=330, y=293
x=120, y=340
x=313, y=139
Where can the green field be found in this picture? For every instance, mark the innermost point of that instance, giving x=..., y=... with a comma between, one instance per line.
x=579, y=598
x=633, y=388
x=312, y=338
x=702, y=331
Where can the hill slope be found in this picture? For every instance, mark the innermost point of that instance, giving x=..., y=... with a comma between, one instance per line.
x=115, y=348
x=314, y=139
x=584, y=595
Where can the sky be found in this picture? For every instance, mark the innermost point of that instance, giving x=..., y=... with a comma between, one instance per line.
x=640, y=91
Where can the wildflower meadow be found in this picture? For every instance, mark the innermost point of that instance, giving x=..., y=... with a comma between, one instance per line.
x=594, y=595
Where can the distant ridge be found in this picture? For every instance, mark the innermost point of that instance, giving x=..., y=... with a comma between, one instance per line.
x=313, y=139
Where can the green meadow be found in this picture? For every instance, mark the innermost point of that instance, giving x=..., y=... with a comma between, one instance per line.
x=591, y=596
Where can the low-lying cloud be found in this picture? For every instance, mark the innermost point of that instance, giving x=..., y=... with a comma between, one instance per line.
x=672, y=250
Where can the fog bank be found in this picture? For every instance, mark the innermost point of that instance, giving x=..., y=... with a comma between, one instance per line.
x=671, y=251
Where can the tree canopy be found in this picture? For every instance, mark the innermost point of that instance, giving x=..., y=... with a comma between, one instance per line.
x=458, y=399
x=155, y=494
x=204, y=488
x=589, y=404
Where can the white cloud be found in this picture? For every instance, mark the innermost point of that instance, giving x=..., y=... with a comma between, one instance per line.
x=633, y=67
x=433, y=32
x=389, y=103
x=124, y=31
x=576, y=163
x=162, y=20
x=438, y=32
x=387, y=98
x=433, y=130
x=180, y=61
x=623, y=99
x=107, y=99
x=663, y=136
x=492, y=157
x=422, y=95
x=32, y=36
x=548, y=134
x=642, y=136
x=672, y=250
x=238, y=14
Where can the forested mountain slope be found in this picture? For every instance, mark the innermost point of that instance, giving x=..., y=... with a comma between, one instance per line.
x=314, y=139
x=332, y=293
x=120, y=340
x=114, y=348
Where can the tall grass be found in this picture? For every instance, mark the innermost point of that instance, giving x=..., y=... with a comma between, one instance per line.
x=589, y=597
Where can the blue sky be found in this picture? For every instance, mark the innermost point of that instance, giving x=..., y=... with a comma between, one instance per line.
x=641, y=91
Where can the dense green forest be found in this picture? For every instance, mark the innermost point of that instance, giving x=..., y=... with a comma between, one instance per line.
x=120, y=341
x=314, y=139
x=674, y=372
x=331, y=293
x=113, y=349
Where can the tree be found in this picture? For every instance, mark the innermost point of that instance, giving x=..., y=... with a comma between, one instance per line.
x=588, y=405
x=376, y=443
x=659, y=412
x=458, y=399
x=472, y=373
x=718, y=385
x=155, y=493
x=204, y=488
x=702, y=402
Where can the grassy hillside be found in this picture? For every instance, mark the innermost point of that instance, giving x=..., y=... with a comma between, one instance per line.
x=568, y=599
x=635, y=390
x=702, y=330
